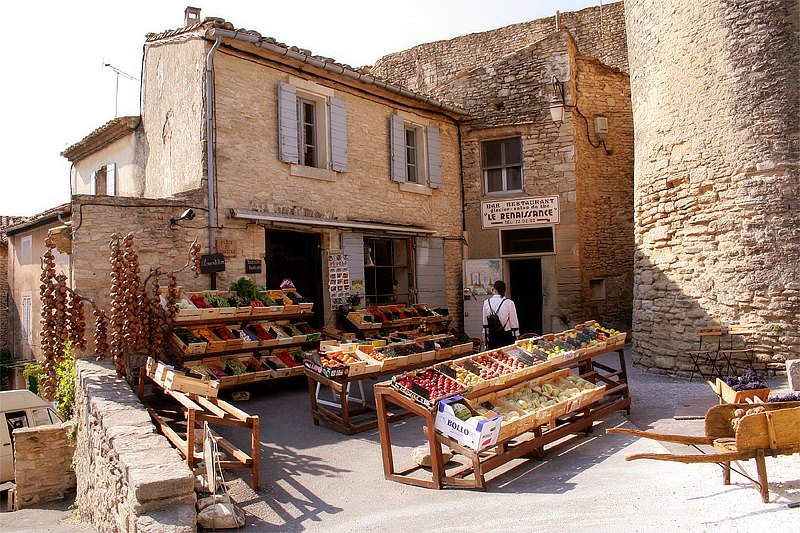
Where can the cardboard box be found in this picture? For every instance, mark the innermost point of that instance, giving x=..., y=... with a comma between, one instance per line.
x=476, y=435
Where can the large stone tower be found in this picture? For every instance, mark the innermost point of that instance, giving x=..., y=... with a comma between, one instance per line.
x=716, y=107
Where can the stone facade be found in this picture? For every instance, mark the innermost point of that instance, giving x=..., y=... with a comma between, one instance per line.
x=249, y=173
x=599, y=32
x=714, y=86
x=129, y=477
x=43, y=463
x=159, y=243
x=510, y=97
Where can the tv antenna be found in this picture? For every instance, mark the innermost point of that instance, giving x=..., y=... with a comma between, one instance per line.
x=119, y=73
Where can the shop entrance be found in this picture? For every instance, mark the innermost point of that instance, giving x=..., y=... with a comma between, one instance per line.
x=525, y=288
x=297, y=256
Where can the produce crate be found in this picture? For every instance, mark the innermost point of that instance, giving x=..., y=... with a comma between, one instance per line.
x=171, y=379
x=248, y=342
x=204, y=366
x=192, y=348
x=728, y=395
x=356, y=319
x=420, y=394
x=215, y=344
x=207, y=313
x=333, y=372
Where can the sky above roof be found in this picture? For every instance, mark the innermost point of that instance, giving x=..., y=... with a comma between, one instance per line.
x=57, y=85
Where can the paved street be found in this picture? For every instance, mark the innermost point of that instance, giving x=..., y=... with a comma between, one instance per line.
x=315, y=479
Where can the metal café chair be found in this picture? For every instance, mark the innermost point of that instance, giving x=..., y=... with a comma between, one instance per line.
x=707, y=353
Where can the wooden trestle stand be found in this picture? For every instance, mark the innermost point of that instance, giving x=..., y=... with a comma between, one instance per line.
x=196, y=409
x=529, y=443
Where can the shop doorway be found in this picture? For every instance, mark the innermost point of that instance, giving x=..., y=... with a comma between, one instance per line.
x=297, y=256
x=525, y=288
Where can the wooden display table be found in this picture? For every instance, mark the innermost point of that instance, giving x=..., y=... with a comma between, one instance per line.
x=616, y=397
x=194, y=409
x=342, y=421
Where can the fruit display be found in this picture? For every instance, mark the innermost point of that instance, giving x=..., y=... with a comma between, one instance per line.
x=531, y=399
x=489, y=367
x=464, y=376
x=509, y=414
x=427, y=385
x=509, y=361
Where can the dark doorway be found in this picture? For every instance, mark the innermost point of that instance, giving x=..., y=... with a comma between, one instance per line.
x=525, y=288
x=297, y=256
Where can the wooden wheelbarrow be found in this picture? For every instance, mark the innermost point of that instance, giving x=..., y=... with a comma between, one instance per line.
x=773, y=431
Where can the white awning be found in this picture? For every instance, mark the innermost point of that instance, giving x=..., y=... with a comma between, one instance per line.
x=289, y=220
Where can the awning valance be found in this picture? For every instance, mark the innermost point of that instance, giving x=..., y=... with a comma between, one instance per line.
x=291, y=220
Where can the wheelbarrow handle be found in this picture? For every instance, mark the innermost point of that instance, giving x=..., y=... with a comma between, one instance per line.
x=664, y=437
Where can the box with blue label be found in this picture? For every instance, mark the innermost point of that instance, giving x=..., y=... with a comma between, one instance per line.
x=474, y=432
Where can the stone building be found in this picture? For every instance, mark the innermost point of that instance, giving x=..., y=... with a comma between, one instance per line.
x=715, y=89
x=576, y=263
x=306, y=158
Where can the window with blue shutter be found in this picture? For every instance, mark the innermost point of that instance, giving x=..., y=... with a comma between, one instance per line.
x=338, y=114
x=398, y=144
x=434, y=158
x=288, y=145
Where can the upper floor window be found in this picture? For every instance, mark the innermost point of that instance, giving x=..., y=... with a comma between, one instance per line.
x=27, y=318
x=312, y=126
x=104, y=180
x=416, y=154
x=501, y=161
x=307, y=114
x=26, y=250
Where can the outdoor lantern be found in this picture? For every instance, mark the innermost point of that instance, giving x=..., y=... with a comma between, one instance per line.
x=557, y=110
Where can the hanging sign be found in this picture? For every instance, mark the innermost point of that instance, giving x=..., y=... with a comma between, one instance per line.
x=252, y=266
x=212, y=263
x=533, y=211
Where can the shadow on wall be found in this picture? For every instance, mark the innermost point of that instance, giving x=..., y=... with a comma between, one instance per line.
x=667, y=319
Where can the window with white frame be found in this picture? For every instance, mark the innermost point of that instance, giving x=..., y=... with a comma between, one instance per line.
x=414, y=163
x=26, y=250
x=312, y=126
x=27, y=318
x=416, y=153
x=501, y=161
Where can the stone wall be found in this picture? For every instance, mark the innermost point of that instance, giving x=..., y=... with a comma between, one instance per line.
x=43, y=463
x=251, y=176
x=605, y=190
x=3, y=292
x=159, y=243
x=129, y=477
x=717, y=211
x=599, y=32
x=511, y=97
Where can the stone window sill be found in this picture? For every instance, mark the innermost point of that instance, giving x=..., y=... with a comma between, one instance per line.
x=312, y=172
x=416, y=188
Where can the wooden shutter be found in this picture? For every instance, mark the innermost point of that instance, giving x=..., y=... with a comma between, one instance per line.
x=338, y=112
x=288, y=150
x=93, y=183
x=430, y=271
x=434, y=158
x=111, y=179
x=397, y=140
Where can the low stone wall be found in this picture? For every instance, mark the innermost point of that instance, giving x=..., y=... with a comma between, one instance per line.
x=129, y=477
x=43, y=463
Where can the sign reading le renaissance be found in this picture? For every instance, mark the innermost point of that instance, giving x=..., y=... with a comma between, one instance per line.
x=520, y=212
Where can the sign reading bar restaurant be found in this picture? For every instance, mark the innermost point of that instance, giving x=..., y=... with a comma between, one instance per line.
x=520, y=212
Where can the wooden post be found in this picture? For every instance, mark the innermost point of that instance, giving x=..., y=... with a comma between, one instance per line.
x=256, y=450
x=761, y=467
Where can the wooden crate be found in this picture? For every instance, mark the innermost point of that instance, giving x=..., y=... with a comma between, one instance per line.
x=728, y=395
x=192, y=348
x=170, y=379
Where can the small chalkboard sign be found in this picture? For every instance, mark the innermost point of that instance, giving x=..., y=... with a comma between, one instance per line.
x=252, y=266
x=212, y=263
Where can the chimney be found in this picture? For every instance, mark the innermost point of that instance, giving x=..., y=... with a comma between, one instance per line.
x=191, y=16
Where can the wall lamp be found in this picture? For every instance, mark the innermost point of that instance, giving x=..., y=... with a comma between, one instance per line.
x=557, y=106
x=186, y=215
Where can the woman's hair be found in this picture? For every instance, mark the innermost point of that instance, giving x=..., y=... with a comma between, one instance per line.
x=500, y=287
